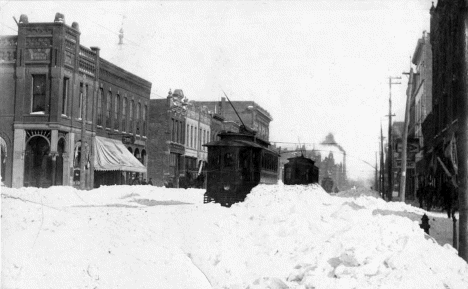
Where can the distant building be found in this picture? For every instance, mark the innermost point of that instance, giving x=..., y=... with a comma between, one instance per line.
x=252, y=114
x=65, y=111
x=197, y=133
x=419, y=93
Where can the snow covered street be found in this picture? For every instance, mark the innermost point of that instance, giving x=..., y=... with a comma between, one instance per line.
x=280, y=237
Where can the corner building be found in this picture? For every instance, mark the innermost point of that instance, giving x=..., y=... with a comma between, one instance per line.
x=65, y=111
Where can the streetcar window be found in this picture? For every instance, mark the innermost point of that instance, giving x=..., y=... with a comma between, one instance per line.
x=244, y=158
x=228, y=160
x=214, y=158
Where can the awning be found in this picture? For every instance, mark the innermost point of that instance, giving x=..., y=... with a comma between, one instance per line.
x=112, y=155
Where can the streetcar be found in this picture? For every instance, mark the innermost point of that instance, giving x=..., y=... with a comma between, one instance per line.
x=300, y=171
x=238, y=162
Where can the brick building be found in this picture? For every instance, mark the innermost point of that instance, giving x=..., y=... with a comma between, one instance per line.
x=166, y=144
x=447, y=22
x=419, y=92
x=65, y=110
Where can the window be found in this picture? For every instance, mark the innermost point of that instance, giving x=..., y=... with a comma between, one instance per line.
x=130, y=113
x=124, y=114
x=65, y=96
x=138, y=118
x=145, y=109
x=80, y=104
x=191, y=136
x=108, y=109
x=86, y=106
x=176, y=131
x=179, y=140
x=116, y=112
x=38, y=93
x=99, y=106
x=187, y=135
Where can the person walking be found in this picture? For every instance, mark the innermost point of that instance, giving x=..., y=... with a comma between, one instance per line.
x=150, y=182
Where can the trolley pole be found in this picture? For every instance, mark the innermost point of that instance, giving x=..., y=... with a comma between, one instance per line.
x=390, y=139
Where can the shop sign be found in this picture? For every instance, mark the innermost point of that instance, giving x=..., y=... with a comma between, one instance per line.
x=128, y=139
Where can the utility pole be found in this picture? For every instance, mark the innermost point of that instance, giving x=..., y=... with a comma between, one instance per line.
x=390, y=139
x=409, y=93
x=381, y=173
x=376, y=183
x=462, y=140
x=83, y=148
x=382, y=166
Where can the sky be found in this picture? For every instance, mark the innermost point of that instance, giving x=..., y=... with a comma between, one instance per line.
x=317, y=66
x=280, y=237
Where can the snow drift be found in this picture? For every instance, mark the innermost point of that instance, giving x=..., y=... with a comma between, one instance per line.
x=280, y=237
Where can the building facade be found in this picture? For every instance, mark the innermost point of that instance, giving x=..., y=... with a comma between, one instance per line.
x=66, y=110
x=447, y=27
x=419, y=94
x=166, y=139
x=197, y=133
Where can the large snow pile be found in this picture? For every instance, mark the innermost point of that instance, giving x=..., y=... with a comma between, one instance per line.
x=280, y=237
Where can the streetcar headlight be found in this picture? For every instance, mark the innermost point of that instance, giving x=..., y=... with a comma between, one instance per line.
x=227, y=187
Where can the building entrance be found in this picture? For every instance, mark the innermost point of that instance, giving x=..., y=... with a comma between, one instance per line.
x=37, y=163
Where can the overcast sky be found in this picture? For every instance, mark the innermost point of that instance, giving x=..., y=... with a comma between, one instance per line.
x=316, y=66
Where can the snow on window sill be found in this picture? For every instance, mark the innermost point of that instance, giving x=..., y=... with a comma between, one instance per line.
x=38, y=112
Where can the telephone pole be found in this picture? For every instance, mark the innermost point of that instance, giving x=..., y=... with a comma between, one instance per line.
x=382, y=166
x=390, y=139
x=409, y=94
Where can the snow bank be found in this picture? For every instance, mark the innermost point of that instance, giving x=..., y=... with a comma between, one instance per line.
x=280, y=237
x=358, y=192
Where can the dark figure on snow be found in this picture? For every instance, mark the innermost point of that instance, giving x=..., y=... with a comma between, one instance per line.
x=144, y=182
x=450, y=198
x=135, y=182
x=150, y=182
x=429, y=193
x=421, y=194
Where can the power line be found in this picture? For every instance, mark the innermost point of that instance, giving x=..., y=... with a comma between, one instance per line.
x=3, y=24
